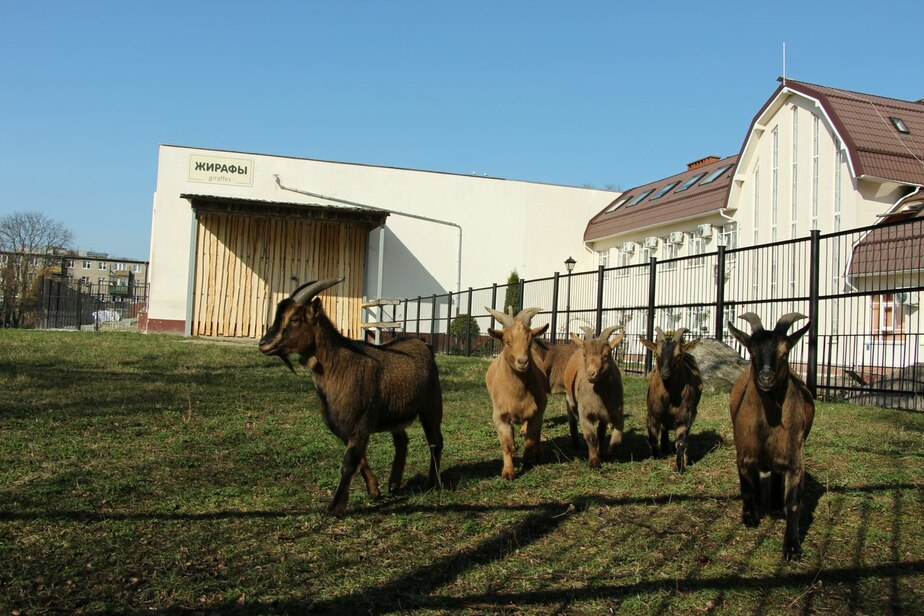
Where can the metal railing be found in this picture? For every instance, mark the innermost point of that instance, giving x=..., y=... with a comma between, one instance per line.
x=860, y=288
x=64, y=304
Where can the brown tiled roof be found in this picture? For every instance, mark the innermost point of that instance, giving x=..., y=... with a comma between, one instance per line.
x=877, y=148
x=673, y=205
x=890, y=250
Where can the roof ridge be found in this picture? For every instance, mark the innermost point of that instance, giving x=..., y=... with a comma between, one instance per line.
x=845, y=91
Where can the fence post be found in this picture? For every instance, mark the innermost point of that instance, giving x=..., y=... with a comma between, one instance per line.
x=720, y=294
x=433, y=309
x=650, y=325
x=811, y=377
x=417, y=325
x=79, y=296
x=599, y=301
x=99, y=302
x=494, y=306
x=522, y=295
x=404, y=318
x=554, y=325
x=449, y=325
x=468, y=326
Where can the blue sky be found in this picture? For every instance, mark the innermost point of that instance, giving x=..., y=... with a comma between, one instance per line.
x=579, y=93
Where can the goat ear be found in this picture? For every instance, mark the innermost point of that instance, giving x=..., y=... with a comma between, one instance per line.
x=495, y=333
x=651, y=346
x=615, y=342
x=739, y=335
x=576, y=339
x=540, y=330
x=688, y=346
x=793, y=338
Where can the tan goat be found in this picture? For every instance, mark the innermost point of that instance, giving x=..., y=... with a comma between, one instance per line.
x=517, y=386
x=594, y=393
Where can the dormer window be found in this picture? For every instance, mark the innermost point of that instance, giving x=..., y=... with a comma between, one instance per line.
x=900, y=125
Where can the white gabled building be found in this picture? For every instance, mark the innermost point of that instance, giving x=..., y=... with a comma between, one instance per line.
x=233, y=232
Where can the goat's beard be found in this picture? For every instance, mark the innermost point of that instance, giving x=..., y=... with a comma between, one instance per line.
x=285, y=359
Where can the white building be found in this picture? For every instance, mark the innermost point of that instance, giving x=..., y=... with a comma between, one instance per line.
x=813, y=158
x=233, y=232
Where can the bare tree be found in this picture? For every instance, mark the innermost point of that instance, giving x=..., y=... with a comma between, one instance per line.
x=29, y=242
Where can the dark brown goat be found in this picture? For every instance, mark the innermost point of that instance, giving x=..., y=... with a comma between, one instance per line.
x=517, y=386
x=675, y=386
x=362, y=388
x=594, y=393
x=772, y=412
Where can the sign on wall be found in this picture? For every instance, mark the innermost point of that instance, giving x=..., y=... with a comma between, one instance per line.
x=221, y=170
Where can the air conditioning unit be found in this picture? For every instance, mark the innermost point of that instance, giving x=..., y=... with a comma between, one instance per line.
x=676, y=237
x=704, y=230
x=651, y=242
x=906, y=298
x=629, y=247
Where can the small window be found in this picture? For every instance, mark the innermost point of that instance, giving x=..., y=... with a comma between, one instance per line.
x=87, y=265
x=640, y=198
x=102, y=265
x=664, y=190
x=617, y=204
x=900, y=125
x=693, y=180
x=712, y=177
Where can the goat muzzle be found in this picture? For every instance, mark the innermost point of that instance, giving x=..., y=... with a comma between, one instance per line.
x=766, y=379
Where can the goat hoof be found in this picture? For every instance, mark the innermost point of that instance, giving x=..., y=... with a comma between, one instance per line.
x=337, y=509
x=508, y=475
x=792, y=552
x=594, y=463
x=750, y=520
x=394, y=487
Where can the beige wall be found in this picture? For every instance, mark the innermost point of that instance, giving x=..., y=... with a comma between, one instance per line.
x=506, y=224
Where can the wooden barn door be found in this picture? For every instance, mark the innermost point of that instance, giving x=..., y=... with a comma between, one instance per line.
x=245, y=265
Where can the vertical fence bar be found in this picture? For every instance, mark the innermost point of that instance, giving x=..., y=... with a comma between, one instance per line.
x=652, y=291
x=417, y=326
x=522, y=295
x=449, y=324
x=468, y=326
x=554, y=325
x=404, y=317
x=433, y=321
x=599, y=301
x=811, y=377
x=494, y=306
x=720, y=294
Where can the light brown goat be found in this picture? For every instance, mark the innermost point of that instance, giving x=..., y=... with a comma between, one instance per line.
x=362, y=388
x=771, y=412
x=517, y=386
x=675, y=386
x=594, y=393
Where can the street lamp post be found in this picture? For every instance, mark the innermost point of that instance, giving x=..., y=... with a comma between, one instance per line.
x=569, y=266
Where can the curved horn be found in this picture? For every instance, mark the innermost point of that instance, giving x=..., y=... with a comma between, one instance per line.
x=588, y=332
x=606, y=333
x=754, y=320
x=660, y=332
x=307, y=292
x=526, y=315
x=786, y=321
x=678, y=335
x=504, y=319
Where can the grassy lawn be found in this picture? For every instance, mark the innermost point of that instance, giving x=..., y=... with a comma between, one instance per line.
x=159, y=474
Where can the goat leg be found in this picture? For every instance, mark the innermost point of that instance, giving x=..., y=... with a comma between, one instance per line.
x=777, y=482
x=654, y=435
x=593, y=442
x=532, y=444
x=372, y=484
x=400, y=440
x=792, y=544
x=571, y=407
x=355, y=452
x=750, y=491
x=681, y=441
x=435, y=444
x=508, y=446
x=618, y=427
x=666, y=446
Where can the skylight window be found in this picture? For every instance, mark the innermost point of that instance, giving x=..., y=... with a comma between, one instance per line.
x=664, y=190
x=640, y=198
x=712, y=177
x=900, y=125
x=618, y=204
x=693, y=180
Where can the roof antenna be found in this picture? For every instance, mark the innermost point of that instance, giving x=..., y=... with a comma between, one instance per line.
x=784, y=63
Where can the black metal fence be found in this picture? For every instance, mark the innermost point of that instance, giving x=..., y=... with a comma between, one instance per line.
x=68, y=305
x=860, y=289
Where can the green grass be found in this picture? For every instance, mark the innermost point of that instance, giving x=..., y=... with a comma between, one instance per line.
x=156, y=474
